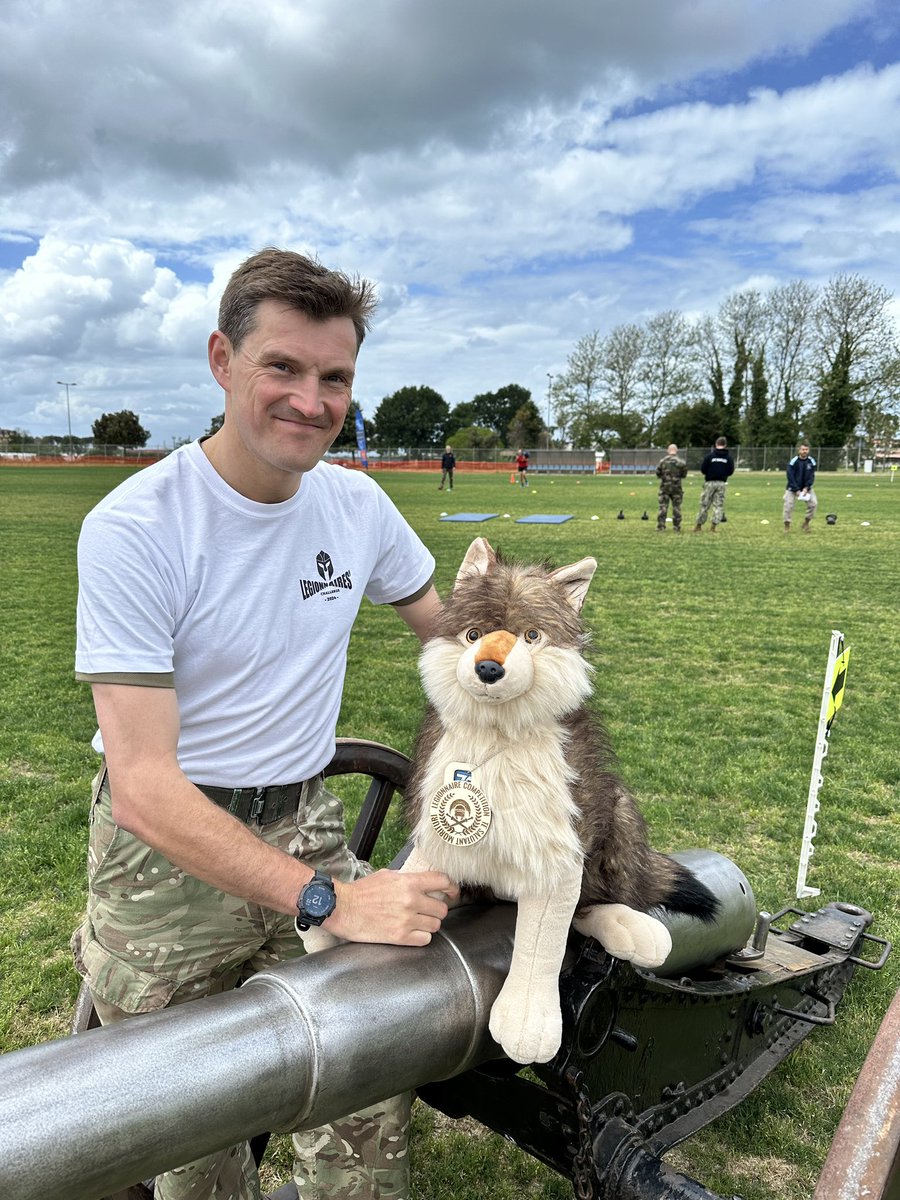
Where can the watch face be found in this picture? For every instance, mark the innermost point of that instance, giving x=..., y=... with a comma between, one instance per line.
x=318, y=899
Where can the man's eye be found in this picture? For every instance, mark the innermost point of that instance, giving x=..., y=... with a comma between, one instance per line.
x=280, y=366
x=472, y=635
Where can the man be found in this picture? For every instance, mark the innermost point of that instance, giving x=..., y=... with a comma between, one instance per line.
x=448, y=462
x=801, y=474
x=670, y=470
x=716, y=469
x=522, y=467
x=217, y=591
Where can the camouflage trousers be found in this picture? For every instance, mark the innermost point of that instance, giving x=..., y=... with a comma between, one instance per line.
x=713, y=496
x=668, y=493
x=154, y=936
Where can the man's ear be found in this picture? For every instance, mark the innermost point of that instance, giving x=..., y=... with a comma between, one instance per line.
x=219, y=351
x=576, y=579
x=479, y=559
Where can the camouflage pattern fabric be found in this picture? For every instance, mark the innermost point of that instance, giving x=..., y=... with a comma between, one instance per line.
x=154, y=936
x=671, y=470
x=713, y=496
x=669, y=494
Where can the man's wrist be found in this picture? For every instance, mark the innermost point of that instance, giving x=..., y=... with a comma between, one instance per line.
x=316, y=902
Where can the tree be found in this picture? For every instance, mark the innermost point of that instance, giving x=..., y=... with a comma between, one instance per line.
x=789, y=312
x=856, y=340
x=461, y=417
x=215, y=424
x=475, y=437
x=411, y=417
x=496, y=409
x=756, y=418
x=620, y=366
x=574, y=393
x=689, y=424
x=526, y=427
x=667, y=369
x=837, y=411
x=119, y=429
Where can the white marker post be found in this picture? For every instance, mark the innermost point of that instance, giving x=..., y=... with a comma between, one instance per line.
x=810, y=828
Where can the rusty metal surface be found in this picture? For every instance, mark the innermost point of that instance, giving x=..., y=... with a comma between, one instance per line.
x=864, y=1160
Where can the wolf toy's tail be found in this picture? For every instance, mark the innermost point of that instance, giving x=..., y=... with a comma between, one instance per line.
x=688, y=895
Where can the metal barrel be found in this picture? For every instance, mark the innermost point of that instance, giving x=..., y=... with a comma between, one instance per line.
x=698, y=943
x=296, y=1046
x=299, y=1045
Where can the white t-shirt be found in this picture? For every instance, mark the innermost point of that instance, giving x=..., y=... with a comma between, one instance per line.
x=247, y=606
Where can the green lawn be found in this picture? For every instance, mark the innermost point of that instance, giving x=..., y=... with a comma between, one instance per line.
x=710, y=653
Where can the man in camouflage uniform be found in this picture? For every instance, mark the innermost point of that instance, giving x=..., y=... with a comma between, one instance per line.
x=670, y=470
x=217, y=593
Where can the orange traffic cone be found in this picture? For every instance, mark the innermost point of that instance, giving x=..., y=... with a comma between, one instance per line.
x=512, y=478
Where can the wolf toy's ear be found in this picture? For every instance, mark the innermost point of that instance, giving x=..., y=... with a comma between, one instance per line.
x=576, y=579
x=479, y=559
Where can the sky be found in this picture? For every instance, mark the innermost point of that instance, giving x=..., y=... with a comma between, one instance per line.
x=512, y=174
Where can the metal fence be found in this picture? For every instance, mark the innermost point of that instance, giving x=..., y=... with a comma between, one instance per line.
x=541, y=461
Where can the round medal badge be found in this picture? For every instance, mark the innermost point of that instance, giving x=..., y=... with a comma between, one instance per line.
x=460, y=813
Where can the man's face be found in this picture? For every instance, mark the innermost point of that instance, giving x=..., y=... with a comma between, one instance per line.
x=803, y=451
x=288, y=389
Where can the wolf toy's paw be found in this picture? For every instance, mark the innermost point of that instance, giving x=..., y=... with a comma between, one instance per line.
x=315, y=939
x=527, y=1025
x=625, y=933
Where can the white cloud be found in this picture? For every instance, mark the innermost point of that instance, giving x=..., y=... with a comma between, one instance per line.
x=512, y=174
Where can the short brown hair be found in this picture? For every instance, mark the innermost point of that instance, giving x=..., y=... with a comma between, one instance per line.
x=299, y=282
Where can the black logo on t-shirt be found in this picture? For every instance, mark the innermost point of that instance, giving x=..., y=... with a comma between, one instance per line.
x=324, y=565
x=328, y=583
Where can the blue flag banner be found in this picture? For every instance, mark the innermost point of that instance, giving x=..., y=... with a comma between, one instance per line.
x=361, y=438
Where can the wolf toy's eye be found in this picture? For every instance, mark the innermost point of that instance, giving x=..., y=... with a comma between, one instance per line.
x=532, y=635
x=472, y=635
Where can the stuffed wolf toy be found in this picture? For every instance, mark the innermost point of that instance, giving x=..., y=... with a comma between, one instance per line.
x=511, y=789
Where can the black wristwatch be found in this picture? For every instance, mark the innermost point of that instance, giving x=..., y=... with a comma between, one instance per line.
x=316, y=901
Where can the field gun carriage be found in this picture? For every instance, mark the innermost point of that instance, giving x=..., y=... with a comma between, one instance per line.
x=648, y=1057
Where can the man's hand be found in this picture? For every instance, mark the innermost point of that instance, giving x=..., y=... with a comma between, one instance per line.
x=391, y=906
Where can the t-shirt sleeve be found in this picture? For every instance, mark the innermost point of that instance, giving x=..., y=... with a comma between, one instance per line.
x=127, y=593
x=404, y=565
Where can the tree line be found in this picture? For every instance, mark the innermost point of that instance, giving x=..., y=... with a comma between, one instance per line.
x=767, y=368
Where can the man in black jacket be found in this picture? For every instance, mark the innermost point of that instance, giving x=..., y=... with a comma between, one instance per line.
x=801, y=474
x=715, y=469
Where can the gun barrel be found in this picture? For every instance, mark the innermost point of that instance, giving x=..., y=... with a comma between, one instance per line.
x=302, y=1044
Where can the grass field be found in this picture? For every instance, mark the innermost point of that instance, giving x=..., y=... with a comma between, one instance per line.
x=710, y=654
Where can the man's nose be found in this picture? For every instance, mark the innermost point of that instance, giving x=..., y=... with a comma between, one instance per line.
x=306, y=394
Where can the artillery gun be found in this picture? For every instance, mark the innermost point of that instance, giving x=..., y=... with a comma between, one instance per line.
x=648, y=1057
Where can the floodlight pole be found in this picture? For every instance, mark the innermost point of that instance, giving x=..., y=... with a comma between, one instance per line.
x=549, y=394
x=62, y=383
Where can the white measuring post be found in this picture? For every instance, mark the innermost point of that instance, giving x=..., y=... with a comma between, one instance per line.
x=810, y=827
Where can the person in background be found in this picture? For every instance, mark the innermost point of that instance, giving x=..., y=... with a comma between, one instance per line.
x=217, y=593
x=522, y=467
x=448, y=463
x=716, y=469
x=801, y=475
x=670, y=470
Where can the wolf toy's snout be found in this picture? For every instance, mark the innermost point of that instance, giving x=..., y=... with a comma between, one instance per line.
x=489, y=671
x=491, y=655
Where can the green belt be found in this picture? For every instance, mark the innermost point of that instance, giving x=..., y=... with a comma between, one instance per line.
x=261, y=804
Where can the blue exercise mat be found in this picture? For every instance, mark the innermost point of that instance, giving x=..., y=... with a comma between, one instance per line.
x=543, y=519
x=470, y=517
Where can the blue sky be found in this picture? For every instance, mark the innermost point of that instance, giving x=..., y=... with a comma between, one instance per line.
x=513, y=175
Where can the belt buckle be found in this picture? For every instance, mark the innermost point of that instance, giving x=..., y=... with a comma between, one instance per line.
x=257, y=804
